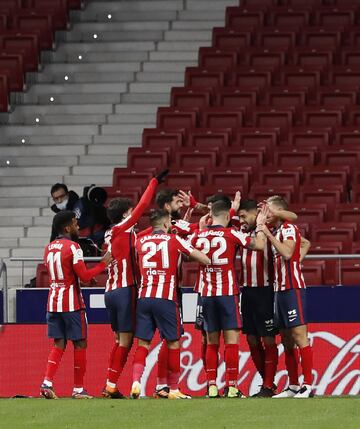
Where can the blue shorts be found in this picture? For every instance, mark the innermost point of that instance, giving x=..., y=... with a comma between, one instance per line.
x=121, y=307
x=257, y=311
x=290, y=308
x=70, y=325
x=221, y=313
x=157, y=313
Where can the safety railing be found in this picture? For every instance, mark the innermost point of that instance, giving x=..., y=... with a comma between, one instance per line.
x=3, y=276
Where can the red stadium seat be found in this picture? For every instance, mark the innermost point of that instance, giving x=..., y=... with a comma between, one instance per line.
x=341, y=156
x=222, y=117
x=9, y=7
x=328, y=194
x=201, y=77
x=236, y=97
x=228, y=38
x=347, y=213
x=273, y=118
x=139, y=159
x=313, y=272
x=290, y=18
x=239, y=159
x=300, y=77
x=334, y=18
x=355, y=194
x=12, y=66
x=42, y=277
x=207, y=138
x=190, y=97
x=229, y=178
x=217, y=58
x=345, y=77
x=155, y=139
x=3, y=22
x=350, y=57
x=322, y=117
x=347, y=136
x=273, y=177
x=324, y=247
x=26, y=45
x=209, y=190
x=175, y=118
x=310, y=213
x=57, y=9
x=263, y=57
x=133, y=195
x=189, y=274
x=275, y=38
x=334, y=231
x=354, y=116
x=285, y=98
x=126, y=179
x=187, y=180
x=37, y=23
x=294, y=157
x=320, y=38
x=262, y=192
x=324, y=175
x=350, y=272
x=313, y=58
x=303, y=137
x=190, y=159
x=4, y=93
x=336, y=97
x=250, y=77
x=243, y=19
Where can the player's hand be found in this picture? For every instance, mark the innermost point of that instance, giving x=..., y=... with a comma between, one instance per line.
x=205, y=221
x=262, y=215
x=107, y=258
x=161, y=176
x=263, y=228
x=185, y=198
x=235, y=205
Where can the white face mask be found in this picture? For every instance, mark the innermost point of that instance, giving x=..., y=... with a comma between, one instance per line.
x=62, y=205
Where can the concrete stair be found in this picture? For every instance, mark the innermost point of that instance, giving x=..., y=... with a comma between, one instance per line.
x=95, y=94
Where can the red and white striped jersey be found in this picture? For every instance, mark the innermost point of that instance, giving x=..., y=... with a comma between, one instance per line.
x=257, y=267
x=61, y=258
x=159, y=257
x=180, y=227
x=288, y=274
x=220, y=245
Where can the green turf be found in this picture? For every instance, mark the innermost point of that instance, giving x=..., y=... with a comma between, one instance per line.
x=317, y=413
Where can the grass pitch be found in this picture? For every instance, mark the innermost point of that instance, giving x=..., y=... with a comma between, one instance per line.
x=317, y=413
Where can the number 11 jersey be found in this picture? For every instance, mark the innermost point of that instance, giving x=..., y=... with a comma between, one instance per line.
x=220, y=245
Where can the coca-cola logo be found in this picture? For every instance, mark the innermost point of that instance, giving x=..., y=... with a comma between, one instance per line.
x=336, y=375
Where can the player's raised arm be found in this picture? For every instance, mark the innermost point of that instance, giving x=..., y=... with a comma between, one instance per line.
x=285, y=248
x=304, y=248
x=79, y=266
x=142, y=205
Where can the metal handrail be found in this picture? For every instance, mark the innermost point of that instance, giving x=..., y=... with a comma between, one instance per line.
x=3, y=274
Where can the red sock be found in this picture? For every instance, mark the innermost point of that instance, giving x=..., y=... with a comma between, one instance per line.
x=174, y=368
x=53, y=362
x=212, y=360
x=119, y=361
x=232, y=364
x=258, y=356
x=79, y=367
x=112, y=353
x=162, y=375
x=139, y=362
x=307, y=364
x=291, y=362
x=203, y=354
x=271, y=361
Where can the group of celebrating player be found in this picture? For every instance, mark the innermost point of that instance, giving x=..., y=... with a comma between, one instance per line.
x=142, y=291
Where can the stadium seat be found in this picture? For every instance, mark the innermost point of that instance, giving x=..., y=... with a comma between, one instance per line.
x=313, y=272
x=328, y=194
x=263, y=57
x=335, y=98
x=313, y=58
x=300, y=77
x=354, y=116
x=42, y=277
x=217, y=58
x=273, y=177
x=347, y=136
x=320, y=38
x=304, y=137
x=222, y=117
x=294, y=157
x=12, y=66
x=4, y=93
x=355, y=194
x=322, y=117
x=193, y=159
x=3, y=22
x=347, y=213
x=335, y=231
x=257, y=137
x=189, y=274
x=133, y=194
x=350, y=272
x=207, y=138
x=285, y=98
x=239, y=159
x=236, y=97
x=37, y=23
x=202, y=77
x=334, y=18
x=250, y=77
x=324, y=247
x=289, y=18
x=345, y=77
x=310, y=213
x=276, y=38
x=243, y=19
x=57, y=9
x=9, y=7
x=262, y=192
x=207, y=191
x=180, y=179
x=228, y=38
x=139, y=159
x=273, y=118
x=26, y=45
x=126, y=179
x=156, y=139
x=190, y=97
x=228, y=178
x=324, y=175
x=341, y=156
x=175, y=118
x=350, y=57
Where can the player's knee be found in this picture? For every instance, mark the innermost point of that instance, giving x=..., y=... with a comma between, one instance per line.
x=252, y=340
x=80, y=344
x=173, y=344
x=60, y=344
x=269, y=341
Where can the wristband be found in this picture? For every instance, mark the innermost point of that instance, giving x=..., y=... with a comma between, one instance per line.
x=193, y=202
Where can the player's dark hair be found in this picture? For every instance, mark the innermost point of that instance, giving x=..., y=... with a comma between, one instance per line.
x=117, y=207
x=248, y=205
x=279, y=201
x=165, y=196
x=57, y=187
x=157, y=216
x=219, y=207
x=62, y=219
x=217, y=197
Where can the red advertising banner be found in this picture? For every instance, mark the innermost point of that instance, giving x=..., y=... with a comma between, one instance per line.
x=24, y=349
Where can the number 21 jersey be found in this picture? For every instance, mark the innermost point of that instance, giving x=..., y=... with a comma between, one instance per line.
x=220, y=245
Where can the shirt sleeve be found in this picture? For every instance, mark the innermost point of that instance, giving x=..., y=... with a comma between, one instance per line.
x=77, y=253
x=240, y=238
x=184, y=246
x=288, y=232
